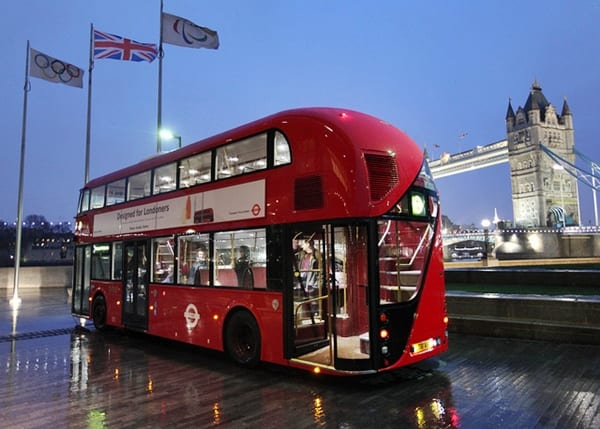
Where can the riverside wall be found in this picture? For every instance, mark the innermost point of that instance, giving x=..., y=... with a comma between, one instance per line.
x=546, y=243
x=564, y=319
x=37, y=277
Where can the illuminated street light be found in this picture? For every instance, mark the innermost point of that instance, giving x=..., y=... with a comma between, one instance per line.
x=168, y=135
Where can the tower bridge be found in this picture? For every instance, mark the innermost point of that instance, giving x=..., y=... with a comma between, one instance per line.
x=540, y=151
x=497, y=153
x=539, y=148
x=479, y=157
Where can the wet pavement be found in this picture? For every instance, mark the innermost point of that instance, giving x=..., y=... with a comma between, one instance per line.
x=54, y=375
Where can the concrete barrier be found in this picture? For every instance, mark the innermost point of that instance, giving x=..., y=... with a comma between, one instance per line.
x=559, y=319
x=37, y=277
x=538, y=317
x=538, y=277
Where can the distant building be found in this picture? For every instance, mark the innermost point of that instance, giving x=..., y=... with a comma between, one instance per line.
x=543, y=193
x=40, y=245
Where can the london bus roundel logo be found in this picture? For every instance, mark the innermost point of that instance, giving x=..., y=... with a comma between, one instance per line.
x=191, y=316
x=256, y=209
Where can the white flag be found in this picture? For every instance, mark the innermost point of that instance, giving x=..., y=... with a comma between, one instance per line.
x=181, y=32
x=48, y=68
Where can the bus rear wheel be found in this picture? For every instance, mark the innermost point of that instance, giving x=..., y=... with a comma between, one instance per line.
x=242, y=339
x=99, y=312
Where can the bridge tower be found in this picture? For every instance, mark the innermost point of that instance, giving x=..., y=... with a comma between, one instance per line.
x=543, y=193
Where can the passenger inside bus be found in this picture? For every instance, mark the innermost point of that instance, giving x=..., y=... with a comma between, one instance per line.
x=243, y=268
x=200, y=264
x=306, y=261
x=169, y=277
x=309, y=267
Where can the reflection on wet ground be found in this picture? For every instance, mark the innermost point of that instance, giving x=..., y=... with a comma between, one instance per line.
x=82, y=378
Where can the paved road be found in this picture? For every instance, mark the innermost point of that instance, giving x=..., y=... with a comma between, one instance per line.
x=54, y=376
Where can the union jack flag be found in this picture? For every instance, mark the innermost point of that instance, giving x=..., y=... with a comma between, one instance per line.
x=119, y=48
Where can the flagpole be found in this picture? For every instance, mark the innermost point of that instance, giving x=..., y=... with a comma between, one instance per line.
x=15, y=301
x=160, y=62
x=86, y=177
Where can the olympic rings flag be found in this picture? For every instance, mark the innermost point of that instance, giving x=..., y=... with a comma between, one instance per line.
x=48, y=68
x=181, y=32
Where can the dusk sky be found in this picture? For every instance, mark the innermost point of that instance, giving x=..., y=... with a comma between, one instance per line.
x=434, y=69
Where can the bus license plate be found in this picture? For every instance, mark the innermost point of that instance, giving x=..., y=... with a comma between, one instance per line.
x=423, y=346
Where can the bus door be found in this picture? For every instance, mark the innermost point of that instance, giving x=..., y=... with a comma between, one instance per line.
x=330, y=323
x=310, y=321
x=135, y=284
x=81, y=280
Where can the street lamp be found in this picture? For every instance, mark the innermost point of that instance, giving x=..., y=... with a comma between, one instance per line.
x=595, y=168
x=486, y=231
x=168, y=135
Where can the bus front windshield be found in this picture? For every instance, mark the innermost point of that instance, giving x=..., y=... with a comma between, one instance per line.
x=405, y=237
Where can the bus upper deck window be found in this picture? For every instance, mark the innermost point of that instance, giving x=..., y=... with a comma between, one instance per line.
x=282, y=150
x=195, y=170
x=115, y=192
x=84, y=201
x=138, y=186
x=97, y=198
x=244, y=156
x=165, y=178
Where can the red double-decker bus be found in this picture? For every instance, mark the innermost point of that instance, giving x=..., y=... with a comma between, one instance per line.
x=310, y=238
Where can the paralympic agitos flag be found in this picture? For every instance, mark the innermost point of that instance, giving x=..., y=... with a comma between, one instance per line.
x=54, y=70
x=108, y=45
x=181, y=32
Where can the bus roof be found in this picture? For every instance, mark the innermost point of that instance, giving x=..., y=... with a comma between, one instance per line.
x=354, y=125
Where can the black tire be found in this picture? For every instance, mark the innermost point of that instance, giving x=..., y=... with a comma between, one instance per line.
x=242, y=339
x=99, y=313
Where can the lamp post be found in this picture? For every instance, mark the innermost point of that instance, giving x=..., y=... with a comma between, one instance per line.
x=486, y=233
x=595, y=168
x=168, y=135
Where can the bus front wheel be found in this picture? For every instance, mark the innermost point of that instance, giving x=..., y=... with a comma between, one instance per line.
x=99, y=312
x=242, y=339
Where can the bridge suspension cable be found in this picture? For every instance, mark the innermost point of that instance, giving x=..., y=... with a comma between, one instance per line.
x=591, y=179
x=588, y=178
